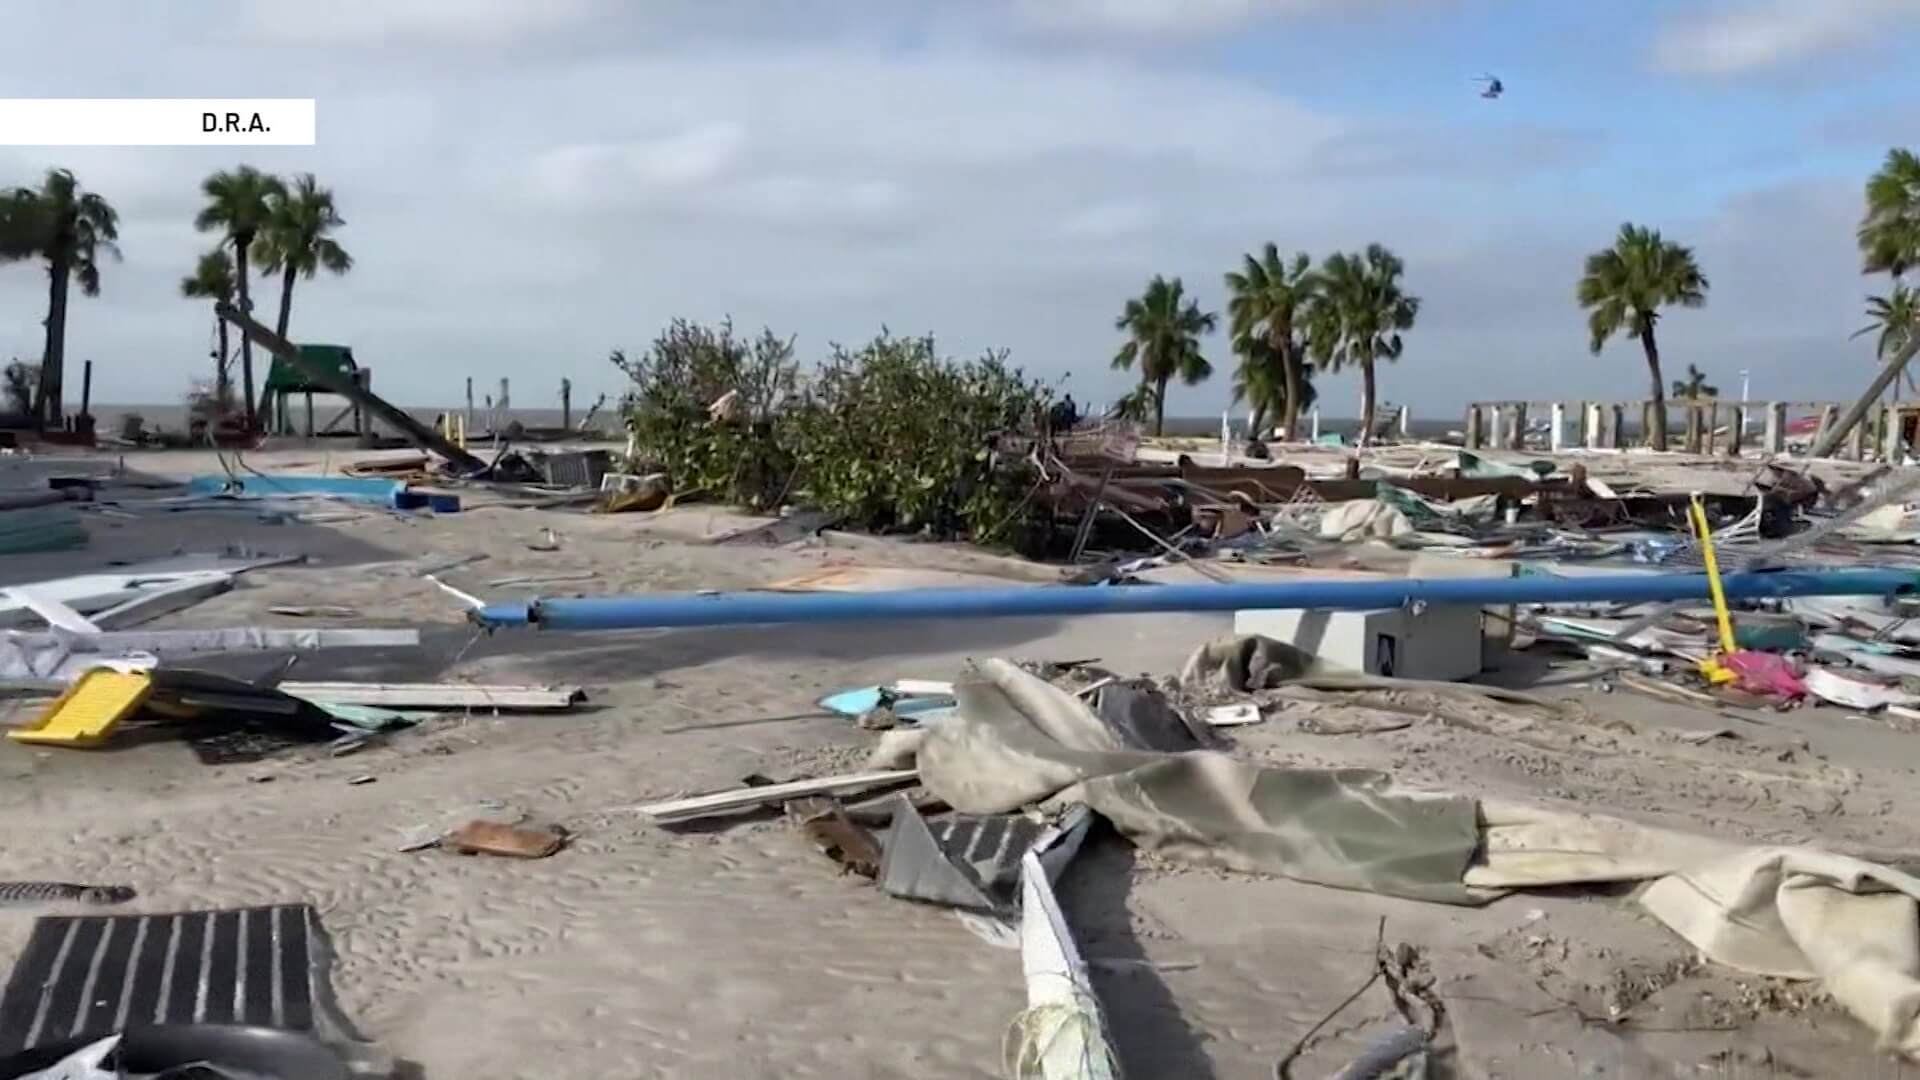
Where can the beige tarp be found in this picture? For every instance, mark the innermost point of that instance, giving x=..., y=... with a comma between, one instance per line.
x=1789, y=912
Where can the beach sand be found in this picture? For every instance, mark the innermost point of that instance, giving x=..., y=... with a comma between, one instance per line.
x=734, y=949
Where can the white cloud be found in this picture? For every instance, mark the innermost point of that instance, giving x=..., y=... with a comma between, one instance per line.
x=1741, y=37
x=1109, y=219
x=1158, y=17
x=595, y=171
x=391, y=22
x=816, y=200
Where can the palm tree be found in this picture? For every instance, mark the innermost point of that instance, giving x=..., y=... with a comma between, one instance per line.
x=1889, y=232
x=1623, y=290
x=1261, y=381
x=295, y=241
x=1695, y=385
x=70, y=228
x=1269, y=301
x=1896, y=316
x=1360, y=317
x=1164, y=328
x=238, y=204
x=213, y=279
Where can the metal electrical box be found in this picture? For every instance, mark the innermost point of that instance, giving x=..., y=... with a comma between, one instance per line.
x=1423, y=642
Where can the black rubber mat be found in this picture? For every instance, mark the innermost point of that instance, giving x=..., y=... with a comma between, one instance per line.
x=95, y=975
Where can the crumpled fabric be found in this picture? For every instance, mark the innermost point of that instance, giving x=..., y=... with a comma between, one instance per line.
x=1364, y=519
x=1801, y=913
x=1017, y=740
x=1789, y=912
x=1243, y=663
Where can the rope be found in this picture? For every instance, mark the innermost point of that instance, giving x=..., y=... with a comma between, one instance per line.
x=1036, y=1031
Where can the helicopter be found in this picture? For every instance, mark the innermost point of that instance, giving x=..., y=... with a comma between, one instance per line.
x=1493, y=86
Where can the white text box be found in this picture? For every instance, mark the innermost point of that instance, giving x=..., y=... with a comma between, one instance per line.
x=156, y=122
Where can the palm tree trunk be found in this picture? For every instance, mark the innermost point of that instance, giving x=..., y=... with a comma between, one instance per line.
x=1159, y=407
x=286, y=301
x=1290, y=362
x=246, y=346
x=51, y=391
x=222, y=385
x=1659, y=432
x=1366, y=401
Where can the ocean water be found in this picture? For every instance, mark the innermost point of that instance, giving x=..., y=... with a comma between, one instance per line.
x=108, y=419
x=173, y=417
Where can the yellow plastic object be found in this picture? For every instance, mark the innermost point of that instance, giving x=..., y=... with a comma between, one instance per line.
x=88, y=711
x=1711, y=667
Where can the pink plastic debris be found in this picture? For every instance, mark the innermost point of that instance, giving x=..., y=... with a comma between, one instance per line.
x=1765, y=673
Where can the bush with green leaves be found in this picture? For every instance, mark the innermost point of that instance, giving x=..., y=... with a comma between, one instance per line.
x=891, y=435
x=899, y=439
x=676, y=383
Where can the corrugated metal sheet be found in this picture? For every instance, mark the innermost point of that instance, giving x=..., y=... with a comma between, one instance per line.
x=94, y=975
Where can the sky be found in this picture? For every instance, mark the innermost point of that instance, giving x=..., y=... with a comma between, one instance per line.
x=529, y=184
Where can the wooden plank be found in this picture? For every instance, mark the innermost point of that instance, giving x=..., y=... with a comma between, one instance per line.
x=721, y=802
x=437, y=695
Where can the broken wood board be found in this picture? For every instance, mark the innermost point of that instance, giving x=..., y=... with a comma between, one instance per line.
x=823, y=821
x=885, y=578
x=498, y=838
x=315, y=611
x=438, y=695
x=721, y=802
x=542, y=579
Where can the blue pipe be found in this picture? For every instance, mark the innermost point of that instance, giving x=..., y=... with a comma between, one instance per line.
x=731, y=609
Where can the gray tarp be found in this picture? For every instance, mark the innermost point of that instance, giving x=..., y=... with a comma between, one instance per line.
x=1017, y=740
x=1791, y=912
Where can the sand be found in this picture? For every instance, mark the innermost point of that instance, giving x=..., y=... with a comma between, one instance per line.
x=737, y=950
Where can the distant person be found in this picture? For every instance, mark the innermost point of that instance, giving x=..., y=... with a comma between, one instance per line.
x=1065, y=414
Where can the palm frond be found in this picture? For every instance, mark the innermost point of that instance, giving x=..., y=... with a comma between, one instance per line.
x=1624, y=287
x=1164, y=327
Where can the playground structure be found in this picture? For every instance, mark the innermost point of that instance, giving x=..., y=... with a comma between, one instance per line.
x=287, y=380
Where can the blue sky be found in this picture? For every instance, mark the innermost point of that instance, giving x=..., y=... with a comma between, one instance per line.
x=529, y=185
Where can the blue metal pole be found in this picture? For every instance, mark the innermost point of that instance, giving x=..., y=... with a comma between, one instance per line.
x=731, y=609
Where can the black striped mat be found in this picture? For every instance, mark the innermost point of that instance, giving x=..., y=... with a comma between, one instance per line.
x=95, y=975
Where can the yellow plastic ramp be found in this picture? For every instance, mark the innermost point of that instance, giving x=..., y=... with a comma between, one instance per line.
x=87, y=712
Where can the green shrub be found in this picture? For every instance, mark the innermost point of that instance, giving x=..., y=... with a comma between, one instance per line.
x=686, y=370
x=897, y=438
x=891, y=435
